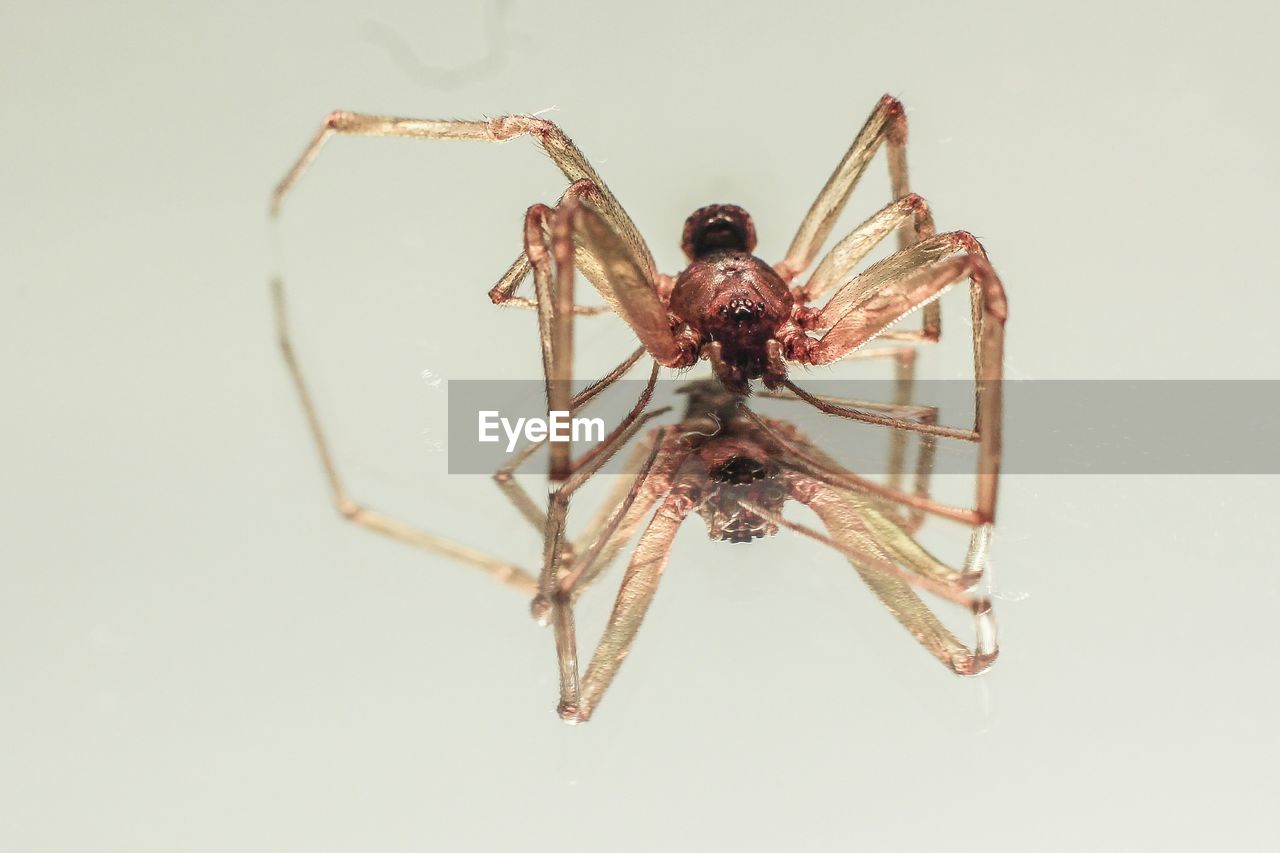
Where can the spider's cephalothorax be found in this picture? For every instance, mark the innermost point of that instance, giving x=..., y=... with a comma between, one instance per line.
x=732, y=300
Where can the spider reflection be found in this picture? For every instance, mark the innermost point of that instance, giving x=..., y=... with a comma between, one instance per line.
x=737, y=469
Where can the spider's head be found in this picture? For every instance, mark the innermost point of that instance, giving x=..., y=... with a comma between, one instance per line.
x=741, y=478
x=728, y=295
x=718, y=228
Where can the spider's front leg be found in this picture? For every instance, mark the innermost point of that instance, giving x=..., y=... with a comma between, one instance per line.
x=577, y=236
x=559, y=147
x=887, y=123
x=902, y=283
x=902, y=408
x=562, y=151
x=908, y=214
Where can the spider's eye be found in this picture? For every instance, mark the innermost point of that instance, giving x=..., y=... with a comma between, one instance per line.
x=759, y=309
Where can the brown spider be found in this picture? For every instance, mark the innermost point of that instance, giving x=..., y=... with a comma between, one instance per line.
x=747, y=319
x=729, y=306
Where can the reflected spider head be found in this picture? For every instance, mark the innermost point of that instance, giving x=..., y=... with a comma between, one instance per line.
x=739, y=475
x=718, y=228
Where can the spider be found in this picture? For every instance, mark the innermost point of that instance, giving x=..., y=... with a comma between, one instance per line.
x=728, y=306
x=748, y=319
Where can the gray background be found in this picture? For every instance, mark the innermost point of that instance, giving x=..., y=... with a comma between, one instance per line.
x=196, y=654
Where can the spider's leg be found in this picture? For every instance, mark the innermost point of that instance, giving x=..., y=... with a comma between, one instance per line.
x=802, y=457
x=866, y=526
x=901, y=283
x=554, y=542
x=585, y=239
x=847, y=253
x=664, y=451
x=607, y=446
x=608, y=516
x=887, y=122
x=638, y=587
x=503, y=293
x=904, y=362
x=555, y=326
x=891, y=563
x=834, y=269
x=581, y=238
x=505, y=476
x=501, y=570
x=558, y=147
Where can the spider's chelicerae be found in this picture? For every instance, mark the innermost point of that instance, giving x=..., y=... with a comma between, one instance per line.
x=747, y=318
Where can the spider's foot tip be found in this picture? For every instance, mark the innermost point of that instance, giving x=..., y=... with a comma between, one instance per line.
x=571, y=713
x=976, y=665
x=540, y=608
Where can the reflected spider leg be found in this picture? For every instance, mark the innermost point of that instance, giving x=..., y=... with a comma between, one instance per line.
x=868, y=520
x=501, y=570
x=639, y=584
x=901, y=408
x=652, y=463
x=506, y=572
x=612, y=528
x=505, y=476
x=894, y=588
x=555, y=550
x=822, y=468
